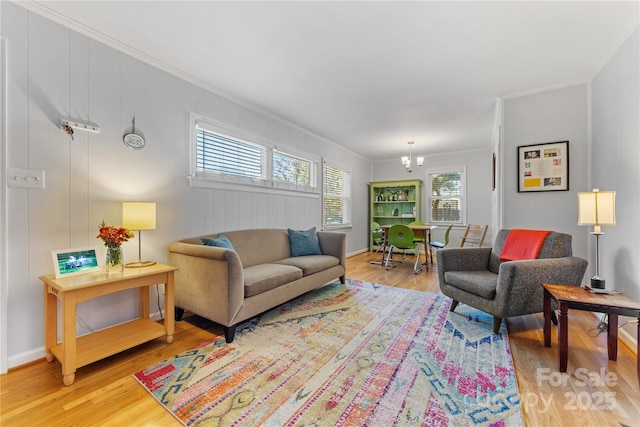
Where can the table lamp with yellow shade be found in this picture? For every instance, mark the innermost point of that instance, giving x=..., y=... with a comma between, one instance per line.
x=139, y=216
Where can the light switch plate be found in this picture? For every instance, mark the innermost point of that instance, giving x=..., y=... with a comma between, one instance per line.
x=25, y=178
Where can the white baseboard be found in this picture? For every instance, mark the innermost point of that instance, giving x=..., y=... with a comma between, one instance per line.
x=38, y=353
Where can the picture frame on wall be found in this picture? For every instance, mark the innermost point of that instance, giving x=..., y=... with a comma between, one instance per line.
x=71, y=262
x=543, y=167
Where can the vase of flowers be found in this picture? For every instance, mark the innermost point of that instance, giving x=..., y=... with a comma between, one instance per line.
x=113, y=238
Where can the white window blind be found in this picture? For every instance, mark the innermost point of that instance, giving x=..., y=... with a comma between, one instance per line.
x=446, y=198
x=219, y=154
x=336, y=201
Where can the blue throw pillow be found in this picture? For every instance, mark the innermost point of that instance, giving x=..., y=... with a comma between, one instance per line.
x=221, y=242
x=304, y=242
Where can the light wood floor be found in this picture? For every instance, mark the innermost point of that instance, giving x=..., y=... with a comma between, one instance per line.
x=105, y=393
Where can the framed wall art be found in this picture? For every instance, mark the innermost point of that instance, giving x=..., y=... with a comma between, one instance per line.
x=70, y=262
x=543, y=167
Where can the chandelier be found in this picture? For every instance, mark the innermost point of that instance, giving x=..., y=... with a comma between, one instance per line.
x=406, y=160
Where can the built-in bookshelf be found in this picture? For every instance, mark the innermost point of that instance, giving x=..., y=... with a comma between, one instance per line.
x=394, y=202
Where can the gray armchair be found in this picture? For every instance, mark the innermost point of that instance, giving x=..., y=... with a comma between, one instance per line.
x=477, y=277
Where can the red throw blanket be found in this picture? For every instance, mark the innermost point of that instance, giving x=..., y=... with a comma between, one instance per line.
x=522, y=244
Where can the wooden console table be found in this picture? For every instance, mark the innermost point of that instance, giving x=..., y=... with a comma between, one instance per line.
x=579, y=298
x=74, y=352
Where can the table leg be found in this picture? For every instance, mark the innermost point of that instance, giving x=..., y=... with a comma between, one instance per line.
x=144, y=302
x=169, y=304
x=68, y=361
x=612, y=336
x=563, y=329
x=384, y=245
x=547, y=318
x=50, y=322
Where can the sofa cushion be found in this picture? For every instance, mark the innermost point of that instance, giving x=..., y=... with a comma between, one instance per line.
x=481, y=283
x=312, y=263
x=221, y=241
x=264, y=277
x=304, y=242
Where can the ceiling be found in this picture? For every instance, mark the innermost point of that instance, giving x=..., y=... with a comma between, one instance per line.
x=367, y=75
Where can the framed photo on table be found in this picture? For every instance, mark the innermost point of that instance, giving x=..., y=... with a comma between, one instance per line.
x=543, y=167
x=71, y=262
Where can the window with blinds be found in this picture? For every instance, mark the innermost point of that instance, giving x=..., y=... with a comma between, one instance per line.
x=336, y=200
x=228, y=156
x=446, y=198
x=231, y=157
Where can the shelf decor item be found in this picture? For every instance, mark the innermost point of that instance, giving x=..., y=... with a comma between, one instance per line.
x=71, y=262
x=113, y=239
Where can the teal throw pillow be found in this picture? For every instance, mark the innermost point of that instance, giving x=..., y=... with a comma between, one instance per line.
x=221, y=241
x=304, y=242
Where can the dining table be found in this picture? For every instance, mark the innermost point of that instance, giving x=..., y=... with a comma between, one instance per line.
x=423, y=231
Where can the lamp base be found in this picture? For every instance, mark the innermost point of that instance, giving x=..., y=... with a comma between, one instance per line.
x=597, y=282
x=139, y=264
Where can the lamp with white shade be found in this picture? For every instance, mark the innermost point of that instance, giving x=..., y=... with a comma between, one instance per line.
x=139, y=216
x=597, y=208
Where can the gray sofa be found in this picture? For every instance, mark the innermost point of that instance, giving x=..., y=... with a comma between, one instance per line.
x=229, y=286
x=477, y=277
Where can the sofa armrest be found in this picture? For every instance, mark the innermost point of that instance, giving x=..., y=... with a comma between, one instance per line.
x=519, y=282
x=211, y=280
x=332, y=243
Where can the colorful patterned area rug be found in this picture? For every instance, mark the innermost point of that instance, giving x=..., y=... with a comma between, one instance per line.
x=359, y=354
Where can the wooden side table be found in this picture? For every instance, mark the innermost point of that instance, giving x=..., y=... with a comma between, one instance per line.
x=73, y=352
x=580, y=298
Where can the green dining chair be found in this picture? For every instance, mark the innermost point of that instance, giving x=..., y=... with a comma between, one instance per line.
x=401, y=237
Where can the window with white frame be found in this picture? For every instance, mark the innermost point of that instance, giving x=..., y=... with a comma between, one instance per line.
x=446, y=196
x=336, y=198
x=230, y=156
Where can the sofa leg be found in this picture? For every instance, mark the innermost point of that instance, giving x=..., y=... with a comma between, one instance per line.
x=454, y=304
x=178, y=313
x=554, y=318
x=229, y=333
x=497, y=321
x=342, y=279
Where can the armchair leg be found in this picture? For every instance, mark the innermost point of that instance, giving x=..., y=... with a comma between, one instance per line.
x=178, y=313
x=554, y=318
x=454, y=304
x=497, y=321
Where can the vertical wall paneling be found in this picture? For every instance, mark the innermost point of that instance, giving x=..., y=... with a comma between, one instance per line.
x=549, y=116
x=615, y=162
x=54, y=73
x=3, y=209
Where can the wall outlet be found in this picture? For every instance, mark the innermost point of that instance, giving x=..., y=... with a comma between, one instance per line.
x=25, y=178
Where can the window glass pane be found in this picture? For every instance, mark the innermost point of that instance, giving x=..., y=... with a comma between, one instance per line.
x=446, y=198
x=336, y=202
x=291, y=169
x=219, y=154
x=446, y=184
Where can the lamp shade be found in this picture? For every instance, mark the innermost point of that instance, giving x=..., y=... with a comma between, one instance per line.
x=139, y=215
x=597, y=208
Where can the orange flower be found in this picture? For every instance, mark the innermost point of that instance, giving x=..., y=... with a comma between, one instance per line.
x=113, y=237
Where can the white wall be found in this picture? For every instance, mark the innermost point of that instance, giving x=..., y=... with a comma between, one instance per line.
x=478, y=185
x=54, y=73
x=549, y=116
x=615, y=164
